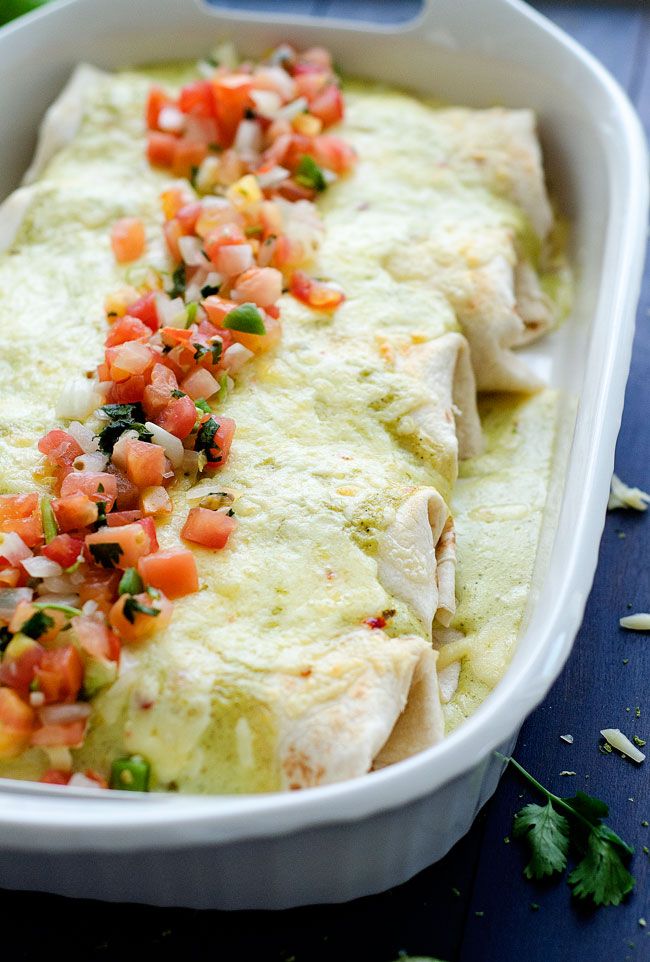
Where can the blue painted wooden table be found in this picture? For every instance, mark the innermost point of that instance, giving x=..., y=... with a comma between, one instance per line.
x=475, y=905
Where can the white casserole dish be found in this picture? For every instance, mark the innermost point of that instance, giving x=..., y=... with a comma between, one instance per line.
x=342, y=841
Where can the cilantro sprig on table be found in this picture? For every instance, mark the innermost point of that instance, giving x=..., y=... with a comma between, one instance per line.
x=551, y=830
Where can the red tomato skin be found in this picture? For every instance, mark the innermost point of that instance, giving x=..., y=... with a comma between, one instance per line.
x=128, y=239
x=117, y=518
x=161, y=149
x=188, y=154
x=328, y=105
x=127, y=328
x=64, y=549
x=208, y=528
x=59, y=447
x=145, y=310
x=197, y=98
x=74, y=512
x=156, y=100
x=149, y=526
x=179, y=417
x=145, y=463
x=231, y=98
x=53, y=776
x=18, y=672
x=21, y=514
x=16, y=723
x=50, y=736
x=90, y=483
x=97, y=639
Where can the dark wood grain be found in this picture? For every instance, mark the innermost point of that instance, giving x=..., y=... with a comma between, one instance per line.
x=474, y=906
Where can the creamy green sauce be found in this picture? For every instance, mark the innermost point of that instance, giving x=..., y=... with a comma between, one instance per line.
x=321, y=458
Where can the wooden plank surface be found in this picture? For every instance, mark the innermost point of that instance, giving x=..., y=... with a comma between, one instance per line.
x=475, y=905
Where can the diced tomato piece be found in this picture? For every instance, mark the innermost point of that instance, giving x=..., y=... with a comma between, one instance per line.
x=149, y=526
x=188, y=154
x=128, y=392
x=142, y=624
x=261, y=285
x=132, y=539
x=145, y=310
x=54, y=776
x=227, y=235
x=173, y=233
x=16, y=723
x=60, y=674
x=96, y=777
x=328, y=105
x=161, y=149
x=155, y=500
x=145, y=463
x=200, y=384
x=128, y=494
x=209, y=528
x=96, y=639
x=217, y=308
x=99, y=586
x=188, y=216
x=156, y=100
x=173, y=572
x=310, y=81
x=117, y=518
x=293, y=191
x=158, y=394
x=22, y=656
x=333, y=153
x=64, y=549
x=315, y=294
x=21, y=514
x=173, y=198
x=98, y=485
x=59, y=447
x=51, y=736
x=231, y=97
x=129, y=359
x=128, y=239
x=197, y=98
x=74, y=512
x=178, y=417
x=127, y=329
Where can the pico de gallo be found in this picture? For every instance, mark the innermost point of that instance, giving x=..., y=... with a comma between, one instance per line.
x=81, y=571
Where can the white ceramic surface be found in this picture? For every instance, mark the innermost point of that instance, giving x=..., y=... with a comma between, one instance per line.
x=342, y=841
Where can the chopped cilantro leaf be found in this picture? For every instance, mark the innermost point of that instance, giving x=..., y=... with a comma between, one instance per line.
x=5, y=637
x=245, y=318
x=200, y=351
x=205, y=438
x=37, y=625
x=107, y=554
x=119, y=412
x=132, y=607
x=177, y=393
x=179, y=282
x=110, y=435
x=203, y=405
x=548, y=836
x=309, y=174
x=601, y=874
x=130, y=582
x=210, y=289
x=254, y=231
x=217, y=348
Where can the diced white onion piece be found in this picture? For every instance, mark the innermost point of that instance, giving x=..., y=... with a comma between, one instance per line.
x=302, y=223
x=42, y=567
x=235, y=357
x=267, y=102
x=191, y=461
x=83, y=436
x=225, y=55
x=171, y=445
x=36, y=699
x=79, y=780
x=55, y=586
x=10, y=598
x=208, y=173
x=273, y=177
x=207, y=487
x=13, y=548
x=59, y=757
x=171, y=313
x=96, y=461
x=190, y=248
x=276, y=79
x=64, y=714
x=622, y=743
x=291, y=110
x=171, y=119
x=78, y=399
x=637, y=622
x=248, y=139
x=622, y=496
x=89, y=608
x=77, y=578
x=51, y=599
